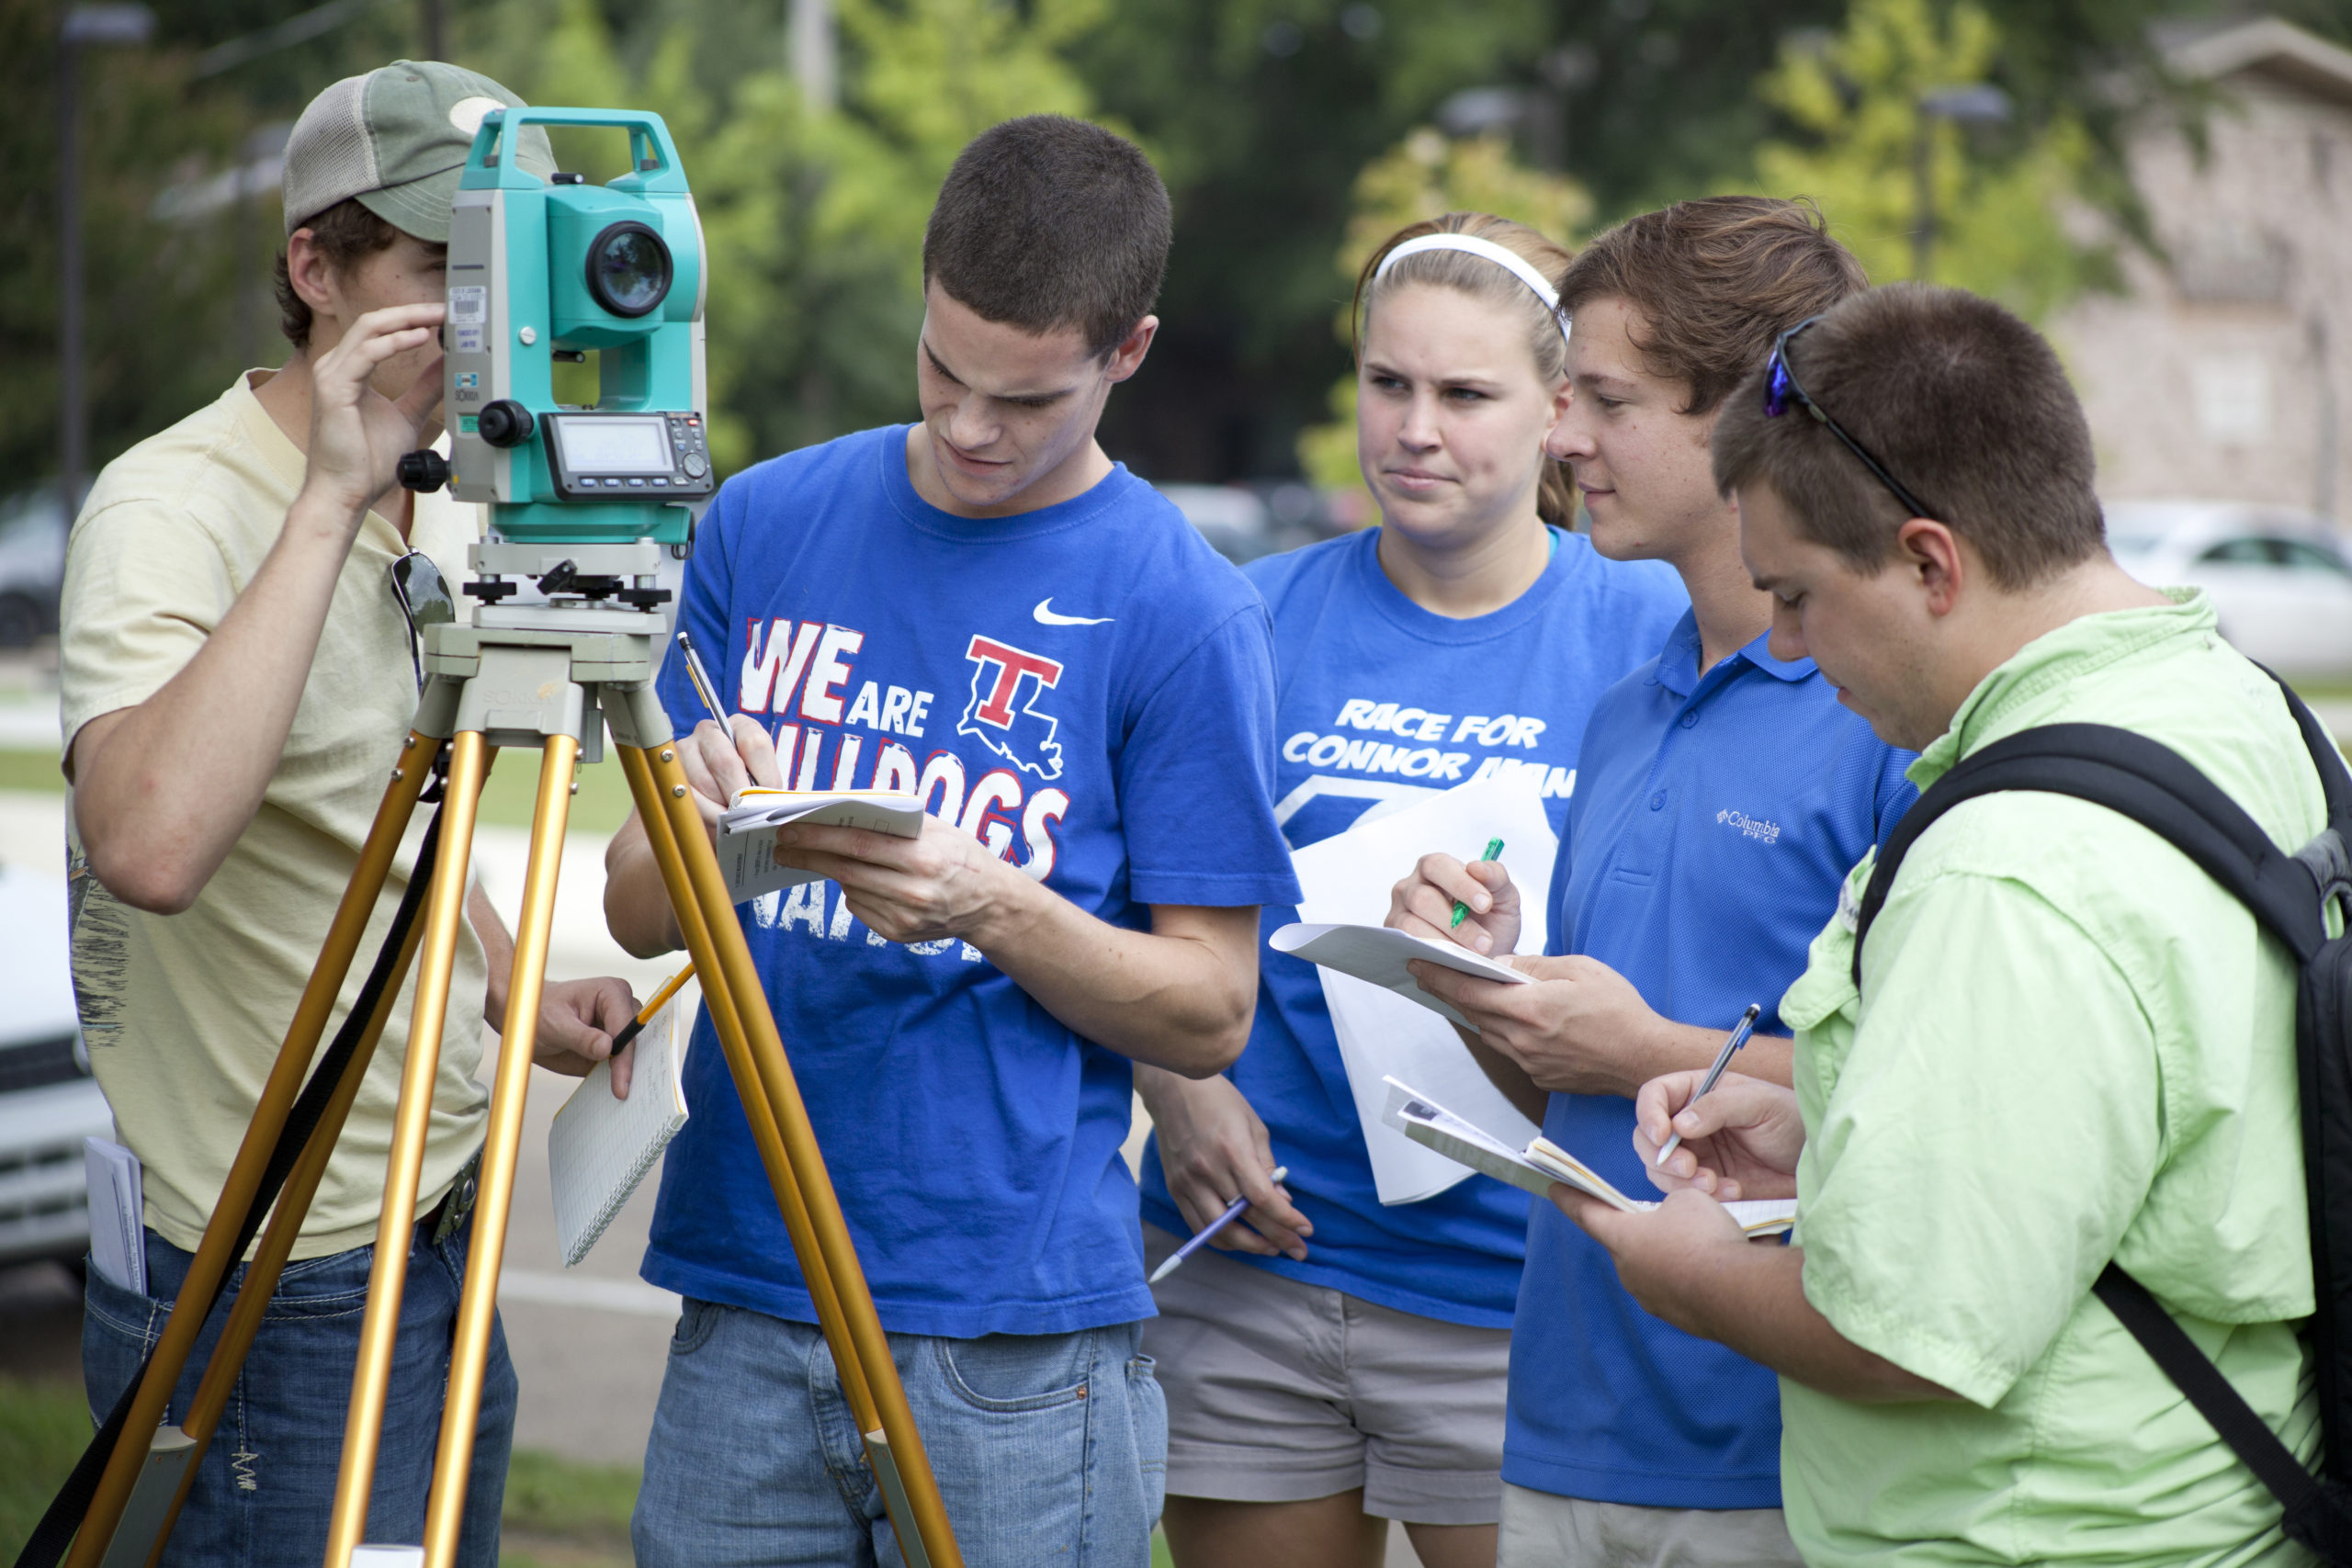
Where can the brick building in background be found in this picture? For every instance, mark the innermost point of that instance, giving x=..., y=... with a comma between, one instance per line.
x=2224, y=370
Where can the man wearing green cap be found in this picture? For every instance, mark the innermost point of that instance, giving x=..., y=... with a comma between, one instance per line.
x=238, y=675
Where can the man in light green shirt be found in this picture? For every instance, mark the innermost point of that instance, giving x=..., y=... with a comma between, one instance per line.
x=2070, y=1044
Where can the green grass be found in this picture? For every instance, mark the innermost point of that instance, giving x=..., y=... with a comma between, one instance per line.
x=559, y=1514
x=43, y=1428
x=562, y=1515
x=601, y=805
x=33, y=771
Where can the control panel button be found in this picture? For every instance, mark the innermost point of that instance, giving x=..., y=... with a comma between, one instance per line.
x=695, y=464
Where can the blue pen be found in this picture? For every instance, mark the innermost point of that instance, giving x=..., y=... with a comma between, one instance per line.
x=1201, y=1237
x=1723, y=1059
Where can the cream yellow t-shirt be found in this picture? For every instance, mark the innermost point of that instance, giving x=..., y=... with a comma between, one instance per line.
x=184, y=1013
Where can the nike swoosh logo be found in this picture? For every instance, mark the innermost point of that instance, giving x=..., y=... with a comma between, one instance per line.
x=1046, y=616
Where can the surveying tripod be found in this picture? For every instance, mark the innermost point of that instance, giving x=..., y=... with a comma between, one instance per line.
x=551, y=677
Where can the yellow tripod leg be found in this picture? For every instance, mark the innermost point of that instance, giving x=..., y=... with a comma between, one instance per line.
x=728, y=1023
x=894, y=1443
x=478, y=1301
x=444, y=906
x=212, y=1261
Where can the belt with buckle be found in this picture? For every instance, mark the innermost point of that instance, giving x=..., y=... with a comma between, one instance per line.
x=450, y=1214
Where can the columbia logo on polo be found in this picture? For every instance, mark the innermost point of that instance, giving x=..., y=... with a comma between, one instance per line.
x=1758, y=829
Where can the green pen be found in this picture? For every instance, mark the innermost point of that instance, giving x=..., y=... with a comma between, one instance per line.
x=1461, y=911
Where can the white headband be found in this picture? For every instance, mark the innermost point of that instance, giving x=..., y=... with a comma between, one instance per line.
x=1470, y=244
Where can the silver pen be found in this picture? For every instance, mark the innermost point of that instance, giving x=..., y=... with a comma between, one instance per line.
x=1723, y=1059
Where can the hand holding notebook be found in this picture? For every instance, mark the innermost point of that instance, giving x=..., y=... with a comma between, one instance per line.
x=1380, y=953
x=749, y=856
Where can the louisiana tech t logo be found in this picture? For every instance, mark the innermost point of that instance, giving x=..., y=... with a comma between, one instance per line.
x=1007, y=683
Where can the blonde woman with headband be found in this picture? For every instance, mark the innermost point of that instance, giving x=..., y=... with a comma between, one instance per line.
x=1334, y=1364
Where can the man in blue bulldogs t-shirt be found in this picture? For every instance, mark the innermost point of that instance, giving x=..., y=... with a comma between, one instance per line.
x=981, y=608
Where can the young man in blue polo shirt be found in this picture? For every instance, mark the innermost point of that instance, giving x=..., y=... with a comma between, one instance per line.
x=1722, y=795
x=983, y=609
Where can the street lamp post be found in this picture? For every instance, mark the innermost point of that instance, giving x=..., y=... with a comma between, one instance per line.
x=1980, y=103
x=85, y=26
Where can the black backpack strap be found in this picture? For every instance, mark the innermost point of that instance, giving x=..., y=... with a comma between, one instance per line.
x=2329, y=856
x=2138, y=778
x=2249, y=1436
x=2335, y=774
x=2314, y=1511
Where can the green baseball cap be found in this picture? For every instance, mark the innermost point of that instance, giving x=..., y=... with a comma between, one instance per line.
x=395, y=141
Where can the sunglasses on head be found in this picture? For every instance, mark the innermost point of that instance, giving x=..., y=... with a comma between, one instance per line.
x=1781, y=391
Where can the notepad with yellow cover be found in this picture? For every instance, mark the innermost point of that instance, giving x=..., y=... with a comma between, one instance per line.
x=748, y=857
x=1543, y=1162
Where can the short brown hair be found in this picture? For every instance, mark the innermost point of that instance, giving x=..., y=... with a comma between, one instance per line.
x=1555, y=496
x=347, y=234
x=1047, y=222
x=1715, y=280
x=1961, y=401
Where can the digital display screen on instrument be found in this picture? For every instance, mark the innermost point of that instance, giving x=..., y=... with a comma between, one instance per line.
x=611, y=445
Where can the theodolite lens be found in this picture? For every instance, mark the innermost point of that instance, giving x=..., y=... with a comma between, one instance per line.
x=628, y=269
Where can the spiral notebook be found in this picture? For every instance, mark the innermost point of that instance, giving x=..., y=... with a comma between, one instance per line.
x=599, y=1148
x=1543, y=1162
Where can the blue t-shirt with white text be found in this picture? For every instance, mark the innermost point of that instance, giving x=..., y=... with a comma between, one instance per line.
x=1088, y=690
x=1714, y=820
x=1380, y=698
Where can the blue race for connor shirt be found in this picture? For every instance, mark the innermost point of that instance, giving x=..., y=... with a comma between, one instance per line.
x=1088, y=690
x=1715, y=818
x=1381, y=698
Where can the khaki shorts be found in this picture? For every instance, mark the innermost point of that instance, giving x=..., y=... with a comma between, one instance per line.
x=1280, y=1392
x=1541, y=1530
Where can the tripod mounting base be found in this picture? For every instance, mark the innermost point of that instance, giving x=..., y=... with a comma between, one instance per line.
x=520, y=684
x=507, y=559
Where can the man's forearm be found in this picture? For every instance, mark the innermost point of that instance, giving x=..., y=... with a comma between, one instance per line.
x=1179, y=997
x=637, y=903
x=163, y=795
x=1754, y=1301
x=1172, y=998
x=1507, y=1076
x=498, y=952
x=1684, y=1047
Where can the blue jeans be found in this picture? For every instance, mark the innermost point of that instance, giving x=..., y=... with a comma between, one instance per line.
x=267, y=1484
x=1048, y=1448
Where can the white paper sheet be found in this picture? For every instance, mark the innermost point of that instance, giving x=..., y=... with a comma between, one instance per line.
x=1346, y=879
x=118, y=1214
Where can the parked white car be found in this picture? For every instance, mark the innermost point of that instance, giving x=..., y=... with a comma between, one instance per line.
x=49, y=1101
x=2279, y=579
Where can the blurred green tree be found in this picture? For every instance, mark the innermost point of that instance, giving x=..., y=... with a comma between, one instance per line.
x=1262, y=115
x=158, y=333
x=1426, y=176
x=1881, y=167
